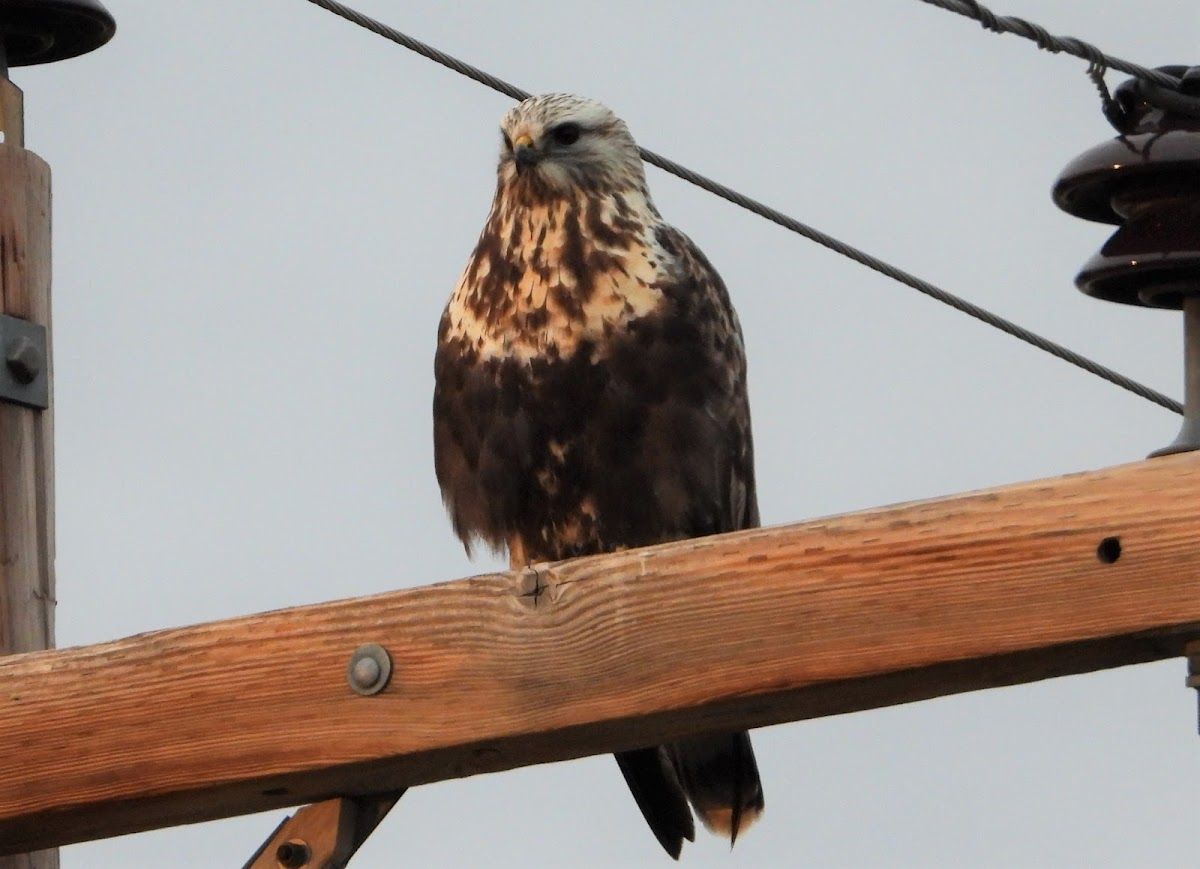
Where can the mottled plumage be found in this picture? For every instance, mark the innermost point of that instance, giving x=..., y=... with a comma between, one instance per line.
x=591, y=396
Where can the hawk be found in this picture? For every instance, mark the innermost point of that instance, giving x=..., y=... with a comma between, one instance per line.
x=591, y=396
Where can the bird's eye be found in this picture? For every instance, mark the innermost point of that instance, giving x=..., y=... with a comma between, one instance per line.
x=566, y=134
x=507, y=141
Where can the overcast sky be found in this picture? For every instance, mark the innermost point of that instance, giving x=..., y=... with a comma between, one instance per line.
x=260, y=210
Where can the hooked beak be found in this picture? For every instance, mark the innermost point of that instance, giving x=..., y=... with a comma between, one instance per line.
x=524, y=151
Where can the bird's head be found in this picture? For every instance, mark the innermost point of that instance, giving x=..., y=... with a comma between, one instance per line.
x=557, y=144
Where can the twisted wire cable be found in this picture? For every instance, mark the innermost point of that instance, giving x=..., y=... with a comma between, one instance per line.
x=1047, y=41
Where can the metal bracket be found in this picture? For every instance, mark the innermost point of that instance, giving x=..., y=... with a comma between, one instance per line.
x=24, y=377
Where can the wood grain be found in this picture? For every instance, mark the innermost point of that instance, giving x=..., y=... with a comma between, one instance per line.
x=12, y=113
x=26, y=435
x=582, y=657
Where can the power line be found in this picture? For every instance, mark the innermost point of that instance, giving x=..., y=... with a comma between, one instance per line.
x=918, y=284
x=461, y=67
x=790, y=223
x=1048, y=42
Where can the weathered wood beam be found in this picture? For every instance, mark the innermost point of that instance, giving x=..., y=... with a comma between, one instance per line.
x=887, y=606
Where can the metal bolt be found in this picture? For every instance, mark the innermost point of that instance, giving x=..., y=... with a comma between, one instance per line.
x=366, y=672
x=24, y=360
x=369, y=669
x=293, y=854
x=1189, y=435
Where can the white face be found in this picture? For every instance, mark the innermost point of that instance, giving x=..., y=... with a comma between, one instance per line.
x=563, y=142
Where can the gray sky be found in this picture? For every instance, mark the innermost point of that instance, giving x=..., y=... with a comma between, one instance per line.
x=260, y=211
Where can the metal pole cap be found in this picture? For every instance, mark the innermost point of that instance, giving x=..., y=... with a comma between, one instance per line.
x=45, y=31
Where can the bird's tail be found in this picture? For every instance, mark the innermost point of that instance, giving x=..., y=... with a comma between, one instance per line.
x=650, y=774
x=720, y=777
x=716, y=774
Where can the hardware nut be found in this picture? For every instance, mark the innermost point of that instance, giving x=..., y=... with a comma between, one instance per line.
x=369, y=669
x=293, y=854
x=24, y=360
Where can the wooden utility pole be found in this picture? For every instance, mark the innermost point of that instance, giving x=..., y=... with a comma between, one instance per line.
x=30, y=33
x=26, y=433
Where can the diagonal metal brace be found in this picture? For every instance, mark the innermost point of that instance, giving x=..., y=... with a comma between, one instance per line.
x=323, y=835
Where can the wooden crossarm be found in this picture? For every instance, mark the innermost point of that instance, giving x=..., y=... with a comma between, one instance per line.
x=887, y=606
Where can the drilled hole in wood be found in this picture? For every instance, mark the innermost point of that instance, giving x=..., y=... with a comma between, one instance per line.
x=274, y=792
x=1109, y=549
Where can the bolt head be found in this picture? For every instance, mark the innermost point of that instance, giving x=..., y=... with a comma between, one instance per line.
x=369, y=669
x=294, y=854
x=23, y=359
x=365, y=672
